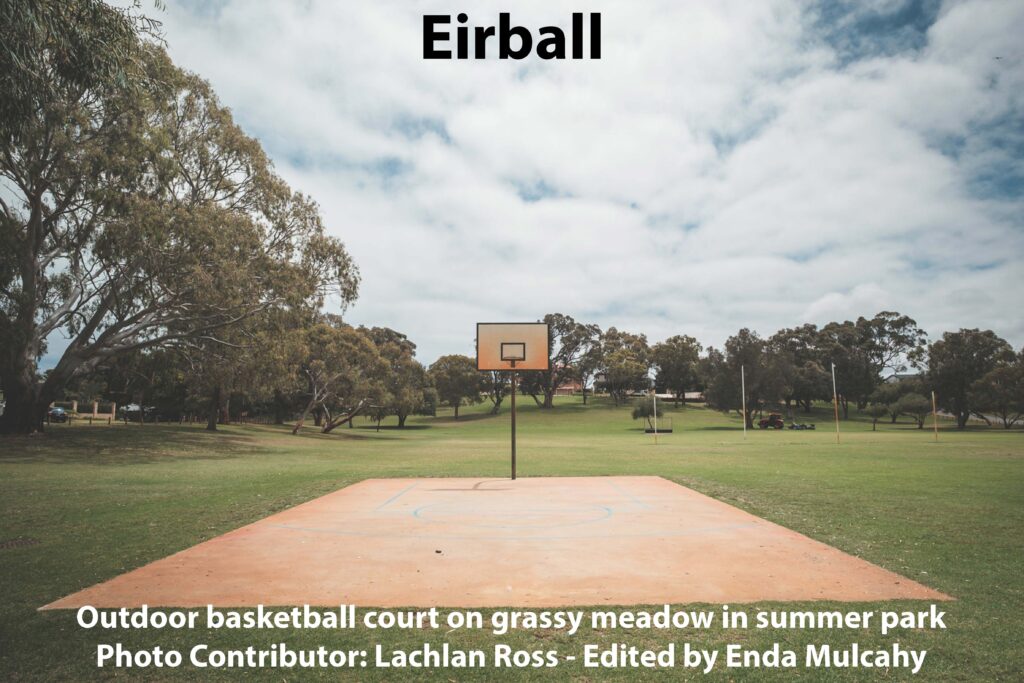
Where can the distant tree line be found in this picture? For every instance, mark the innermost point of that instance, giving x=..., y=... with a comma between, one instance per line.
x=320, y=372
x=323, y=371
x=883, y=365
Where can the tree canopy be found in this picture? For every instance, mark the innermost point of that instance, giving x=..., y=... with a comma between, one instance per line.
x=1000, y=393
x=569, y=342
x=625, y=363
x=960, y=359
x=457, y=381
x=137, y=214
x=675, y=360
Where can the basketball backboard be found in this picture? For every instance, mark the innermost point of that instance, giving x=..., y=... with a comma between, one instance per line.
x=511, y=346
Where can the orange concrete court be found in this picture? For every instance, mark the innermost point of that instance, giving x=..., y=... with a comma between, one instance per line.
x=534, y=542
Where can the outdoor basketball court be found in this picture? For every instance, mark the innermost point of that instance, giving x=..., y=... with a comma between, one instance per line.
x=534, y=542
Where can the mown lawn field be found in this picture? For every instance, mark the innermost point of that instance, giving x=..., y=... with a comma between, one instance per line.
x=86, y=503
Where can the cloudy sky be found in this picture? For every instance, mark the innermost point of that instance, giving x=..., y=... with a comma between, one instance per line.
x=725, y=164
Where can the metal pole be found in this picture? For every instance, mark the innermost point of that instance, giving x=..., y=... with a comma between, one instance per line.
x=835, y=400
x=743, y=398
x=935, y=418
x=654, y=395
x=513, y=421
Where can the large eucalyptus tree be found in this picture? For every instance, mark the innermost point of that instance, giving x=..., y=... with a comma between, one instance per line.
x=134, y=212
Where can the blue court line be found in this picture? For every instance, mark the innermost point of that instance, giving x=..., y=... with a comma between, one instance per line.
x=627, y=494
x=398, y=495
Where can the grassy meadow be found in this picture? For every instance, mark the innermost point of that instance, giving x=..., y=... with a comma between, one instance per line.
x=85, y=503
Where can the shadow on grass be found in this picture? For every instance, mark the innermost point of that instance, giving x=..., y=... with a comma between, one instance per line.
x=466, y=417
x=360, y=433
x=124, y=445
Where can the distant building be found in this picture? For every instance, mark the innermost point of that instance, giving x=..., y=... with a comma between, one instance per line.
x=899, y=377
x=568, y=387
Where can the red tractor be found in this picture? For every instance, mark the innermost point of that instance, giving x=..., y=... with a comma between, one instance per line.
x=773, y=421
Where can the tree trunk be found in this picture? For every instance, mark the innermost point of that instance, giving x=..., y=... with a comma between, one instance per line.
x=549, y=399
x=214, y=413
x=279, y=407
x=584, y=394
x=332, y=423
x=401, y=421
x=874, y=425
x=302, y=417
x=25, y=412
x=748, y=416
x=456, y=411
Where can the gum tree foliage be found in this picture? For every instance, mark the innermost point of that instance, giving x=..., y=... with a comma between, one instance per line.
x=675, y=361
x=457, y=381
x=848, y=345
x=764, y=381
x=408, y=389
x=960, y=359
x=877, y=411
x=805, y=379
x=48, y=47
x=253, y=358
x=342, y=372
x=568, y=341
x=644, y=409
x=889, y=393
x=897, y=342
x=915, y=406
x=496, y=386
x=1000, y=392
x=864, y=349
x=136, y=216
x=625, y=363
x=589, y=364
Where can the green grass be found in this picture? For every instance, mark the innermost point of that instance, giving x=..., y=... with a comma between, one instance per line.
x=102, y=500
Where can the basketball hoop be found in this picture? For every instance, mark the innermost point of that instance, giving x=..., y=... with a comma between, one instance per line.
x=511, y=347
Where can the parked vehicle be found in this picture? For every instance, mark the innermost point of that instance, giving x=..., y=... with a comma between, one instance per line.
x=130, y=412
x=796, y=425
x=57, y=415
x=773, y=421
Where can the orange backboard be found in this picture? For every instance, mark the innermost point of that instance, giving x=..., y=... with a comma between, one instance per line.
x=499, y=345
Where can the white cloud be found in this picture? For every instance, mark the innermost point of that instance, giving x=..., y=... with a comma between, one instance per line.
x=722, y=166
